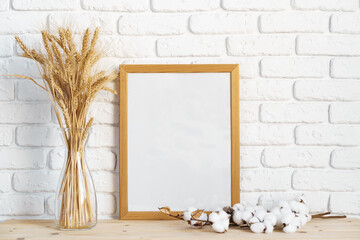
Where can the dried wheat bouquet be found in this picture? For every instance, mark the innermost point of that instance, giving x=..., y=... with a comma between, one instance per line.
x=70, y=79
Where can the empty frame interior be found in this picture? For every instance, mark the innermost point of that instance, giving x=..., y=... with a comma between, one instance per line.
x=179, y=138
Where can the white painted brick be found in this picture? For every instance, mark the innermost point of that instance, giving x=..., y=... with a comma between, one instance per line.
x=6, y=43
x=293, y=112
x=189, y=46
x=345, y=158
x=274, y=89
x=256, y=45
x=183, y=6
x=4, y=5
x=334, y=90
x=28, y=91
x=97, y=159
x=265, y=180
x=249, y=66
x=269, y=134
x=38, y=5
x=50, y=205
x=7, y=90
x=340, y=135
x=150, y=24
x=21, y=158
x=276, y=157
x=257, y=5
x=345, y=23
x=250, y=156
x=249, y=112
x=6, y=136
x=223, y=23
x=21, y=22
x=106, y=204
x=293, y=22
x=38, y=136
x=344, y=113
x=317, y=201
x=25, y=113
x=345, y=67
x=326, y=180
x=327, y=5
x=294, y=67
x=106, y=181
x=114, y=5
x=21, y=205
x=4, y=64
x=5, y=180
x=128, y=46
x=83, y=20
x=35, y=181
x=104, y=136
x=249, y=198
x=328, y=45
x=104, y=113
x=22, y=66
x=345, y=203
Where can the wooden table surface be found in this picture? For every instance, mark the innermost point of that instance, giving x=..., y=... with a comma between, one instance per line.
x=170, y=229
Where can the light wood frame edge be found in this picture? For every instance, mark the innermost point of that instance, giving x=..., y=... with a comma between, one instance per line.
x=233, y=69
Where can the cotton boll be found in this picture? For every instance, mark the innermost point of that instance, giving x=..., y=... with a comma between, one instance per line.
x=308, y=217
x=218, y=216
x=290, y=229
x=303, y=209
x=301, y=199
x=285, y=210
x=259, y=208
x=246, y=215
x=296, y=222
x=271, y=218
x=253, y=220
x=249, y=208
x=277, y=213
x=287, y=218
x=303, y=219
x=260, y=214
x=269, y=228
x=187, y=213
x=295, y=206
x=214, y=217
x=226, y=223
x=284, y=204
x=238, y=207
x=257, y=227
x=218, y=227
x=223, y=215
x=237, y=217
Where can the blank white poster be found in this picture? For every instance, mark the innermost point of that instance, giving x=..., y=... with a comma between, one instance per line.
x=179, y=141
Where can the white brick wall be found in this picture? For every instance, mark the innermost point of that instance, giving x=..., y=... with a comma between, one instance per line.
x=299, y=93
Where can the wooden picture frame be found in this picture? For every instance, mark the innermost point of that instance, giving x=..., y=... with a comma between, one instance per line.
x=233, y=69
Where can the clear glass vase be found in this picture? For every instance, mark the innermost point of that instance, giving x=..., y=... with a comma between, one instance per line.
x=75, y=200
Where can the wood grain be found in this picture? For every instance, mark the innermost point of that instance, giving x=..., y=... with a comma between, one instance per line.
x=233, y=69
x=126, y=229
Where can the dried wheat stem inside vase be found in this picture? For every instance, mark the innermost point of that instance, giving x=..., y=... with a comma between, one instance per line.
x=76, y=208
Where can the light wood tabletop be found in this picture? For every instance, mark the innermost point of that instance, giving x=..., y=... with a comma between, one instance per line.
x=169, y=229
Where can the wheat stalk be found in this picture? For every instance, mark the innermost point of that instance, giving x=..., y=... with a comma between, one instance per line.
x=72, y=86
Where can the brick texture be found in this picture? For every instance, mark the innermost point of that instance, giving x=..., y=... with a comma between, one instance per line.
x=299, y=93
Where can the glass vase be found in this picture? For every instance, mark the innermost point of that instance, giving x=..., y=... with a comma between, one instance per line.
x=75, y=200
